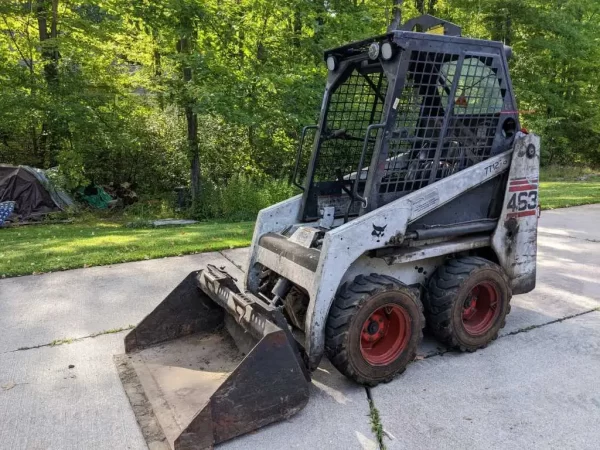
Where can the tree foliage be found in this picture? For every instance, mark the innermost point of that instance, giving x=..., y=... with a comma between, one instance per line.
x=107, y=89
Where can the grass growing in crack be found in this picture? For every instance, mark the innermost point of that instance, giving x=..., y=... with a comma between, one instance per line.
x=57, y=342
x=112, y=331
x=376, y=425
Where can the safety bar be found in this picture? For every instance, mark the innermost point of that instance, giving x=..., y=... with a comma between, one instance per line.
x=299, y=154
x=361, y=162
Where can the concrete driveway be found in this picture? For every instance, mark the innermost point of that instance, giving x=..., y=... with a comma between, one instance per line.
x=535, y=387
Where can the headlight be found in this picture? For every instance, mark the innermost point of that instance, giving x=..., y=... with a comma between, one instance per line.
x=331, y=63
x=374, y=50
x=387, y=51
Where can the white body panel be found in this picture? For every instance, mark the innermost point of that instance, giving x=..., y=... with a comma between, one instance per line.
x=273, y=218
x=410, y=273
x=515, y=238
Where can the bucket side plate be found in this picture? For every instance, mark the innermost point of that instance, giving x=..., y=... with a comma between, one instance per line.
x=268, y=386
x=186, y=310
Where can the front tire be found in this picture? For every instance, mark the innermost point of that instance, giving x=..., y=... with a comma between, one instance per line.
x=466, y=302
x=374, y=329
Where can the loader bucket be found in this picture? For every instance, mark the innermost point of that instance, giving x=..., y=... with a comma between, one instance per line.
x=209, y=364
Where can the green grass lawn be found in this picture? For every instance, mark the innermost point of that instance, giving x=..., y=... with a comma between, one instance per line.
x=564, y=186
x=562, y=194
x=44, y=248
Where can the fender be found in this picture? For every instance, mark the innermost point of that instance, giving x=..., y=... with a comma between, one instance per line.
x=515, y=238
x=273, y=218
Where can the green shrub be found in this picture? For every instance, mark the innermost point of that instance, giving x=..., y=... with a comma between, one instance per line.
x=241, y=198
x=154, y=207
x=557, y=172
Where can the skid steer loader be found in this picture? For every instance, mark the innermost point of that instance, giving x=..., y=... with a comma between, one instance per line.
x=419, y=206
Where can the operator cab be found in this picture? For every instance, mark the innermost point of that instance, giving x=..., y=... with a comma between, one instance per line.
x=404, y=110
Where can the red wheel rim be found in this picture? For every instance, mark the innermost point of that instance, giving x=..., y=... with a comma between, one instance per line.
x=480, y=309
x=384, y=335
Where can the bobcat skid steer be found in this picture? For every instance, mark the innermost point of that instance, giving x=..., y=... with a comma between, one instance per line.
x=419, y=207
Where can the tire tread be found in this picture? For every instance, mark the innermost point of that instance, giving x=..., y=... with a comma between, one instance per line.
x=441, y=293
x=346, y=303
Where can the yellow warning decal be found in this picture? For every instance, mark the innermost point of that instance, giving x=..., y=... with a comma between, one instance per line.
x=438, y=29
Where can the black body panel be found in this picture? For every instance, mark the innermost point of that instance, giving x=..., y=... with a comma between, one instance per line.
x=388, y=127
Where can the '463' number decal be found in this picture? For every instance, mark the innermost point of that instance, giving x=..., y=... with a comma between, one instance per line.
x=523, y=201
x=522, y=198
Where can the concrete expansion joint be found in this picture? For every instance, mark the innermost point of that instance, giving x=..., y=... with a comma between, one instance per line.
x=375, y=420
x=519, y=331
x=552, y=322
x=57, y=342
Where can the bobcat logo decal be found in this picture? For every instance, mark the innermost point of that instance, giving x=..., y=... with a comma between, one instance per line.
x=378, y=232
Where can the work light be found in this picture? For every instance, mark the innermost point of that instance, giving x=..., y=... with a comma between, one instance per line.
x=387, y=51
x=331, y=63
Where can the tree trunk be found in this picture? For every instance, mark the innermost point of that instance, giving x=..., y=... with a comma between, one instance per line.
x=157, y=61
x=49, y=51
x=54, y=25
x=508, y=29
x=431, y=9
x=420, y=5
x=34, y=142
x=501, y=26
x=297, y=27
x=241, y=35
x=184, y=47
x=192, y=126
x=50, y=136
x=396, y=15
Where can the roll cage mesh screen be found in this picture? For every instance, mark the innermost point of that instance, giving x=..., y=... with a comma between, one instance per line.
x=353, y=106
x=447, y=118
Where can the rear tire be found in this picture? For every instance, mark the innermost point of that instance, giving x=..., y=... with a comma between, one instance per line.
x=373, y=329
x=466, y=302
